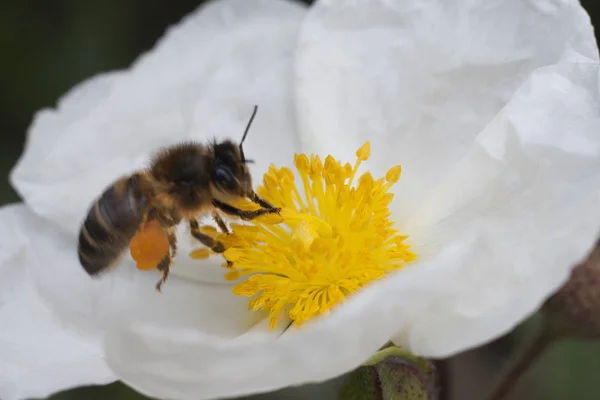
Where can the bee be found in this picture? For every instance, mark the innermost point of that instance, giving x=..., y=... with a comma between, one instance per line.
x=183, y=182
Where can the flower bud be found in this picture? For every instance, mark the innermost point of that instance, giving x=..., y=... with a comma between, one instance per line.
x=391, y=374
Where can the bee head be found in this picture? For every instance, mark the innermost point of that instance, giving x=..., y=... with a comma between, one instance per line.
x=230, y=172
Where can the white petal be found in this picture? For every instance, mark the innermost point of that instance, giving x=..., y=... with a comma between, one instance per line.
x=201, y=81
x=420, y=79
x=529, y=191
x=38, y=356
x=184, y=363
x=521, y=209
x=124, y=294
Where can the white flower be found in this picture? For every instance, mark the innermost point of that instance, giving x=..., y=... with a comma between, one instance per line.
x=492, y=109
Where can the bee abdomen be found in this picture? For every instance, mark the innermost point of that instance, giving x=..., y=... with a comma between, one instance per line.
x=110, y=225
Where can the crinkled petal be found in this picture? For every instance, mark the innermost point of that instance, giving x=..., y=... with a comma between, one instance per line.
x=200, y=82
x=529, y=189
x=492, y=242
x=420, y=79
x=38, y=355
x=244, y=54
x=204, y=351
x=125, y=295
x=179, y=364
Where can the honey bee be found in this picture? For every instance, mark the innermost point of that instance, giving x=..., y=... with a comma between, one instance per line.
x=183, y=182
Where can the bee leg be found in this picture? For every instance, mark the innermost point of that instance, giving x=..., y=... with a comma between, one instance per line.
x=263, y=203
x=224, y=228
x=220, y=223
x=172, y=243
x=164, y=266
x=244, y=214
x=167, y=220
x=205, y=239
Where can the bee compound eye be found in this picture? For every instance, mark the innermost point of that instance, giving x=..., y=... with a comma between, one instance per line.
x=224, y=178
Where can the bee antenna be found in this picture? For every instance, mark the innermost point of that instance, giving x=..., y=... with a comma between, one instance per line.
x=246, y=131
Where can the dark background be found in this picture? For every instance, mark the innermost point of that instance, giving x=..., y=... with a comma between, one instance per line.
x=49, y=46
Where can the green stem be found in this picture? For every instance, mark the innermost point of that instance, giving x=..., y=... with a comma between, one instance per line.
x=444, y=383
x=521, y=365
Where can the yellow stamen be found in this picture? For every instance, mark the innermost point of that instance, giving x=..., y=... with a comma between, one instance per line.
x=364, y=152
x=200, y=254
x=324, y=246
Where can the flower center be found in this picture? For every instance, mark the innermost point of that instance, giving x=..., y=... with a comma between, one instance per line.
x=331, y=239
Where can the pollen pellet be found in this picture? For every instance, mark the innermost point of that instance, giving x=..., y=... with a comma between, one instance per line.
x=149, y=246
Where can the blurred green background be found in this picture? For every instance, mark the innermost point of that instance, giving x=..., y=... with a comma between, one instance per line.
x=48, y=47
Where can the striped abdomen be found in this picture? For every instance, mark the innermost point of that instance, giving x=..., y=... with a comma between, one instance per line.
x=111, y=224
